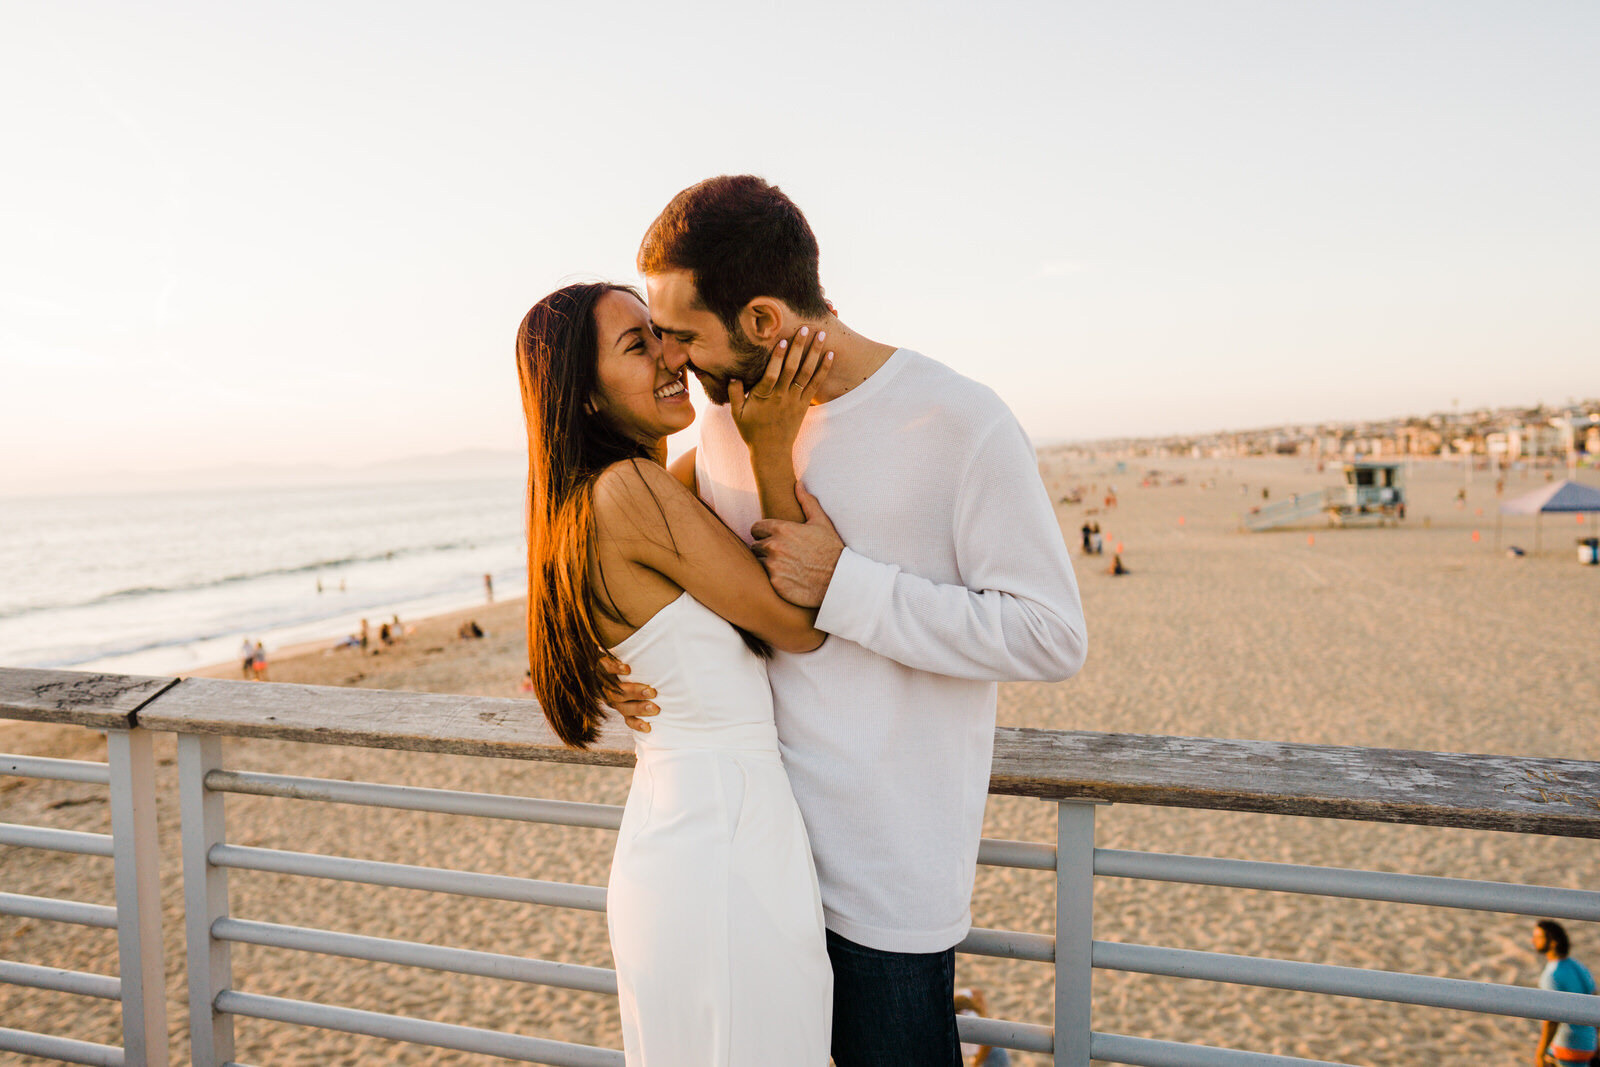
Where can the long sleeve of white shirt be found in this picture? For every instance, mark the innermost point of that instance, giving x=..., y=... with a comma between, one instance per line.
x=1016, y=616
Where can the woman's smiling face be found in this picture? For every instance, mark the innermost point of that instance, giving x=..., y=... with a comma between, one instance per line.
x=636, y=386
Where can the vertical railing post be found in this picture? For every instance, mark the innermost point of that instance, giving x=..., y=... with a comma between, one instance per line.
x=205, y=900
x=1074, y=930
x=137, y=857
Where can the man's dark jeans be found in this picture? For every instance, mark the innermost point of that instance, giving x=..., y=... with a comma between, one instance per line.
x=893, y=1009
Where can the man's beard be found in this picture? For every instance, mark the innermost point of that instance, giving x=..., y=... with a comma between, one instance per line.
x=750, y=366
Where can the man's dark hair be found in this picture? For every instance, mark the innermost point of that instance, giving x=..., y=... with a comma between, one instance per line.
x=739, y=237
x=1557, y=934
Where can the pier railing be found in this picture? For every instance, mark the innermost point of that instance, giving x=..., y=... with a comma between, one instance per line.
x=1075, y=771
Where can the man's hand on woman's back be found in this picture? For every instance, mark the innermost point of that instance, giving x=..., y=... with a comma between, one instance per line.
x=632, y=700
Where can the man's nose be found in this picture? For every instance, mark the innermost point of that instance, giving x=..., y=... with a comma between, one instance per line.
x=674, y=353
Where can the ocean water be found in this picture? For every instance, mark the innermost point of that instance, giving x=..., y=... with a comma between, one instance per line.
x=167, y=581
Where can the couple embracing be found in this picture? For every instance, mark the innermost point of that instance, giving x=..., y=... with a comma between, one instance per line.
x=803, y=620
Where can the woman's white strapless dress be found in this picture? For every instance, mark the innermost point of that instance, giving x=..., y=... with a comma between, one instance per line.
x=715, y=920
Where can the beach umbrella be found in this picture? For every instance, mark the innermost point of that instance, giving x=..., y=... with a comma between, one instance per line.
x=1558, y=496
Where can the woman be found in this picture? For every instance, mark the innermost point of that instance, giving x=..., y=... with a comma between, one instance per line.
x=715, y=920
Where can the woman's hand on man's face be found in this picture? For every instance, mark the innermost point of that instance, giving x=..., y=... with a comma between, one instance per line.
x=769, y=414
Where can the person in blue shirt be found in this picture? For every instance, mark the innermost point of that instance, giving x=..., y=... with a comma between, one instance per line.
x=1562, y=1043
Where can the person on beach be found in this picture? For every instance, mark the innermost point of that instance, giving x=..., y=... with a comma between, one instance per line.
x=258, y=662
x=712, y=903
x=956, y=577
x=1562, y=1043
x=247, y=659
x=970, y=1002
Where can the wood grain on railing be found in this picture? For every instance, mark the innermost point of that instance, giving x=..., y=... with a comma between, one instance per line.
x=1512, y=793
x=79, y=698
x=375, y=718
x=1509, y=793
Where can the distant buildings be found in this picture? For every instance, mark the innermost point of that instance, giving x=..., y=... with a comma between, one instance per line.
x=1503, y=436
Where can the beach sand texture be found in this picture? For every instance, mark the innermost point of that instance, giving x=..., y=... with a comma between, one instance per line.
x=1414, y=638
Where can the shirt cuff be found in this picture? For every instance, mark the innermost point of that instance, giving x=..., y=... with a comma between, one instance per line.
x=857, y=598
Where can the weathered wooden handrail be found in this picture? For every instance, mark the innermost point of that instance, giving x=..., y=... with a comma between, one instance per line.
x=1485, y=792
x=80, y=698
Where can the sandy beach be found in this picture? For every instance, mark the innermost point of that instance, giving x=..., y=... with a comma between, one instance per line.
x=1410, y=637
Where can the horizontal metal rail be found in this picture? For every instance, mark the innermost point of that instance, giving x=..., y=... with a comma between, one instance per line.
x=1581, y=905
x=60, y=770
x=991, y=851
x=1144, y=1052
x=84, y=984
x=416, y=798
x=1007, y=1033
x=416, y=1031
x=64, y=1049
x=1457, y=993
x=55, y=840
x=414, y=954
x=60, y=911
x=1031, y=855
x=1009, y=944
x=405, y=876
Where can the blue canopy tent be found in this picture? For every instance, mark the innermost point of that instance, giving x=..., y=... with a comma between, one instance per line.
x=1558, y=496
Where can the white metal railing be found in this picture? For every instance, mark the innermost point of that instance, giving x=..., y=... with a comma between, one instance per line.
x=1076, y=772
x=208, y=858
x=132, y=848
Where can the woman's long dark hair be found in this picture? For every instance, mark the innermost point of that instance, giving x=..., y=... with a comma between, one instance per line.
x=569, y=445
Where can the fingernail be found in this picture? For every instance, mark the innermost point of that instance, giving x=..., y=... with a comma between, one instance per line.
x=783, y=344
x=650, y=693
x=624, y=669
x=652, y=707
x=823, y=336
x=828, y=356
x=804, y=330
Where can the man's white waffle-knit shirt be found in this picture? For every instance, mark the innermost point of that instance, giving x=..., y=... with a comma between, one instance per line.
x=955, y=577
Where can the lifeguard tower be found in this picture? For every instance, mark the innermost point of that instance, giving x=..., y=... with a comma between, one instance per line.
x=1373, y=494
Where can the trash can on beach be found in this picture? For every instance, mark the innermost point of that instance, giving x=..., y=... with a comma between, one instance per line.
x=1589, y=550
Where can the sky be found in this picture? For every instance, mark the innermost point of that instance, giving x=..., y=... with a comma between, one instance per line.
x=306, y=232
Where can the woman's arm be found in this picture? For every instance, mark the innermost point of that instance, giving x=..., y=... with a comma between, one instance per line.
x=769, y=416
x=653, y=520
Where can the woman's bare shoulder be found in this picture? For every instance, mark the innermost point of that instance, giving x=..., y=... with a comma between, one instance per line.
x=638, y=495
x=629, y=481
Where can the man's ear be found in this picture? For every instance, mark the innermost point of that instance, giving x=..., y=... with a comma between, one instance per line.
x=764, y=321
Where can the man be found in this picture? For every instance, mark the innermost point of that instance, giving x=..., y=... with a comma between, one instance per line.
x=1561, y=1043
x=956, y=578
